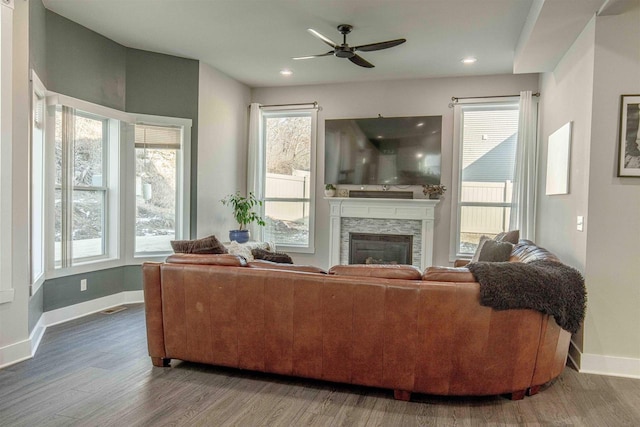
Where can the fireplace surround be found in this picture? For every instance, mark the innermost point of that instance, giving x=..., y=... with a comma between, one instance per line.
x=384, y=216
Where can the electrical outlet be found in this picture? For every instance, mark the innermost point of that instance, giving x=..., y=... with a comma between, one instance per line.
x=580, y=223
x=83, y=285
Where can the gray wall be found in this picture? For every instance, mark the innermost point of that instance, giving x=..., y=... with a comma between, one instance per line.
x=38, y=39
x=166, y=85
x=83, y=64
x=36, y=308
x=64, y=291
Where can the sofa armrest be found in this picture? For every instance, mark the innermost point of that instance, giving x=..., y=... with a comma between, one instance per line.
x=153, y=309
x=461, y=262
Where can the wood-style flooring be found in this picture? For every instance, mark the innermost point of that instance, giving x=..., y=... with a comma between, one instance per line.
x=95, y=371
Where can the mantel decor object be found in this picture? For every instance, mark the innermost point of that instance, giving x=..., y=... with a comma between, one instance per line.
x=433, y=191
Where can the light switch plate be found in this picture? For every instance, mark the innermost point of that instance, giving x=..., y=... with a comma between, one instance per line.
x=580, y=223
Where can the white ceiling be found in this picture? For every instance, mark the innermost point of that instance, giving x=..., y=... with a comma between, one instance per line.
x=252, y=40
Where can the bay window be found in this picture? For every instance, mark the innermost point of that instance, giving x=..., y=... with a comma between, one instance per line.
x=158, y=187
x=83, y=185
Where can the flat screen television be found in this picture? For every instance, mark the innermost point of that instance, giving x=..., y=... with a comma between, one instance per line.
x=383, y=151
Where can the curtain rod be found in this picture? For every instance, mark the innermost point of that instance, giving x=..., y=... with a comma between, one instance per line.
x=457, y=98
x=314, y=103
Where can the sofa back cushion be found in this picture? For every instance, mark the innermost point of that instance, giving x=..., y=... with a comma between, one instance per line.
x=220, y=259
x=383, y=271
x=448, y=274
x=269, y=265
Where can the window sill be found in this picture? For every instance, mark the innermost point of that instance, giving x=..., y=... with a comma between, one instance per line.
x=88, y=267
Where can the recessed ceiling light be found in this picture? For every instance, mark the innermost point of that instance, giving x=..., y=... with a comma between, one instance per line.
x=286, y=72
x=379, y=137
x=420, y=124
x=469, y=60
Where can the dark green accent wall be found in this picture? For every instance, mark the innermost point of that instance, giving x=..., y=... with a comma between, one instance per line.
x=166, y=85
x=65, y=291
x=78, y=62
x=38, y=39
x=36, y=308
x=132, y=278
x=83, y=64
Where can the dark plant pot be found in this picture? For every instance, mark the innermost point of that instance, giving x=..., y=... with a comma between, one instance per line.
x=240, y=236
x=434, y=196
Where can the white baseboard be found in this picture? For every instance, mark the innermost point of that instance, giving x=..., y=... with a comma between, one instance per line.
x=599, y=364
x=72, y=312
x=610, y=365
x=26, y=349
x=15, y=353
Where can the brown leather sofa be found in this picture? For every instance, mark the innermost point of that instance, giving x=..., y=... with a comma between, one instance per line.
x=387, y=326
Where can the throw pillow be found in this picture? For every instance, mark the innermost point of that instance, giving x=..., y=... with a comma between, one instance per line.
x=493, y=251
x=481, y=243
x=508, y=236
x=279, y=257
x=206, y=245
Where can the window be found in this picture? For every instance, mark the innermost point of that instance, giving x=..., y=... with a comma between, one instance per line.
x=486, y=138
x=288, y=144
x=158, y=153
x=85, y=174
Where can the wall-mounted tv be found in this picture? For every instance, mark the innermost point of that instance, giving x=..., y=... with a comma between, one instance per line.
x=383, y=151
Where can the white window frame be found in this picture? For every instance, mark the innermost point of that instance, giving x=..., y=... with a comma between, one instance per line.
x=115, y=181
x=183, y=198
x=456, y=179
x=6, y=135
x=285, y=111
x=37, y=204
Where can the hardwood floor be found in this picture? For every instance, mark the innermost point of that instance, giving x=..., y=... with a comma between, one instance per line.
x=95, y=371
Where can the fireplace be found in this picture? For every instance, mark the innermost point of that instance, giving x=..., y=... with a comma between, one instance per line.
x=370, y=248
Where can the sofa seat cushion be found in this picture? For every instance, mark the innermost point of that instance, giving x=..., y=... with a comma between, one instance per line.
x=448, y=274
x=206, y=245
x=207, y=259
x=383, y=271
x=270, y=265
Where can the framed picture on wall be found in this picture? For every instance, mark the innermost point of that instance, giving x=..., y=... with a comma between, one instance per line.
x=629, y=144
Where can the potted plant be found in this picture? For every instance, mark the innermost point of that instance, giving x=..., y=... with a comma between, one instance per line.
x=433, y=191
x=329, y=190
x=243, y=214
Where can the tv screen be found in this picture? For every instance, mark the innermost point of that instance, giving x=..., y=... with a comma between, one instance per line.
x=383, y=151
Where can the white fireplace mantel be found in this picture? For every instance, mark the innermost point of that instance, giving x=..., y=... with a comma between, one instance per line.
x=397, y=209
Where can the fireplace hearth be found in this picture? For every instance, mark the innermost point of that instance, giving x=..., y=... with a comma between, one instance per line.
x=371, y=248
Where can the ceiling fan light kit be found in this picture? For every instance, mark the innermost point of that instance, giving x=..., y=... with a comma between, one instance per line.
x=345, y=51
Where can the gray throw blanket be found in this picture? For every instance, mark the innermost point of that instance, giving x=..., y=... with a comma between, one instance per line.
x=547, y=286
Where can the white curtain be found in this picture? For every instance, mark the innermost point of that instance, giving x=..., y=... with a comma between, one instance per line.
x=254, y=160
x=523, y=211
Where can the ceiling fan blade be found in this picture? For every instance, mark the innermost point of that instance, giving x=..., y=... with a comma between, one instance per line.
x=314, y=56
x=380, y=45
x=325, y=39
x=358, y=60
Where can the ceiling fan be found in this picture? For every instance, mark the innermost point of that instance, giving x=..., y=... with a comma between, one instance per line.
x=345, y=51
